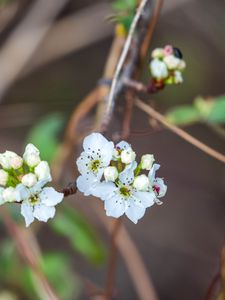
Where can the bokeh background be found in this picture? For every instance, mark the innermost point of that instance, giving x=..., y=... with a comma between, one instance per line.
x=180, y=241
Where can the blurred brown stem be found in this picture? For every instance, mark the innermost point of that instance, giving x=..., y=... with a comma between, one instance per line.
x=183, y=134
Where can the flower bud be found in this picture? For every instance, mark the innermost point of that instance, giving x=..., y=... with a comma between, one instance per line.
x=172, y=62
x=32, y=155
x=168, y=50
x=182, y=65
x=157, y=53
x=178, y=77
x=147, y=161
x=141, y=182
x=10, y=194
x=16, y=162
x=158, y=69
x=115, y=154
x=110, y=173
x=29, y=180
x=43, y=171
x=3, y=177
x=5, y=159
x=128, y=156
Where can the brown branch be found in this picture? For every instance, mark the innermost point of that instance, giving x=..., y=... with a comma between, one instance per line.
x=183, y=134
x=30, y=254
x=110, y=280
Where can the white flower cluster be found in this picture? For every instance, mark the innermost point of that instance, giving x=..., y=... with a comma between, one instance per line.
x=167, y=65
x=24, y=180
x=111, y=173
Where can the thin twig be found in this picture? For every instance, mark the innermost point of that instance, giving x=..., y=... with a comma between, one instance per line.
x=183, y=134
x=29, y=254
x=110, y=280
x=110, y=102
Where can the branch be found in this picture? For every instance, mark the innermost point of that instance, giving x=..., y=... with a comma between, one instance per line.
x=183, y=134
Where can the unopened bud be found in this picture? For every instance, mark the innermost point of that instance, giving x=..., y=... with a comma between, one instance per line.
x=141, y=183
x=3, y=177
x=43, y=171
x=147, y=161
x=29, y=180
x=128, y=156
x=110, y=173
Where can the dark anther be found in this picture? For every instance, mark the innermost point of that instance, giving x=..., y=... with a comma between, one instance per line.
x=177, y=53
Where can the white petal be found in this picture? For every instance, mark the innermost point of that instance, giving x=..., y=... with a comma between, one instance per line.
x=86, y=184
x=43, y=171
x=83, y=163
x=104, y=190
x=43, y=212
x=162, y=187
x=151, y=174
x=127, y=176
x=94, y=141
x=134, y=211
x=107, y=153
x=145, y=198
x=115, y=206
x=123, y=145
x=50, y=197
x=23, y=192
x=27, y=213
x=1, y=197
x=38, y=186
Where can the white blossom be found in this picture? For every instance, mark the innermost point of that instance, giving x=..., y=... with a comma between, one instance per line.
x=141, y=183
x=157, y=53
x=178, y=77
x=6, y=158
x=3, y=177
x=128, y=156
x=42, y=171
x=147, y=161
x=157, y=184
x=29, y=180
x=182, y=65
x=31, y=155
x=16, y=162
x=11, y=194
x=123, y=198
x=111, y=173
x=158, y=69
x=39, y=202
x=171, y=61
x=97, y=154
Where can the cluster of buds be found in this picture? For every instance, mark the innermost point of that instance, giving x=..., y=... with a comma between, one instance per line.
x=111, y=173
x=167, y=65
x=23, y=180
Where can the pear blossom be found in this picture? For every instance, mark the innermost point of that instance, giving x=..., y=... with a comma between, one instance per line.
x=31, y=156
x=158, y=69
x=9, y=160
x=157, y=53
x=171, y=61
x=147, y=161
x=11, y=194
x=29, y=180
x=110, y=173
x=97, y=154
x=3, y=177
x=42, y=171
x=39, y=202
x=157, y=184
x=141, y=183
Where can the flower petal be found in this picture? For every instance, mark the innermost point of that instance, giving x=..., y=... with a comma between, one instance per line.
x=145, y=198
x=123, y=145
x=151, y=174
x=37, y=188
x=83, y=163
x=50, y=197
x=27, y=213
x=43, y=212
x=115, y=206
x=159, y=182
x=134, y=211
x=104, y=190
x=127, y=176
x=86, y=184
x=94, y=142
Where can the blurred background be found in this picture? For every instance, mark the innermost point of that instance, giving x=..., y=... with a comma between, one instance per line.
x=44, y=74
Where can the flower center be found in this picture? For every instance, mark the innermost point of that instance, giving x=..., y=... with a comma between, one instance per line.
x=95, y=165
x=33, y=200
x=125, y=191
x=156, y=189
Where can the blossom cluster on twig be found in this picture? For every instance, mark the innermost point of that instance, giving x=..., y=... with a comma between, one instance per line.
x=23, y=180
x=167, y=65
x=111, y=173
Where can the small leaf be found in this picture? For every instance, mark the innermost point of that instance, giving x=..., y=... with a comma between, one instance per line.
x=80, y=233
x=183, y=115
x=44, y=135
x=217, y=113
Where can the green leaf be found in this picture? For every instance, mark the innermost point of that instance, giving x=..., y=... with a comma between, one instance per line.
x=80, y=233
x=217, y=113
x=123, y=5
x=183, y=115
x=44, y=135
